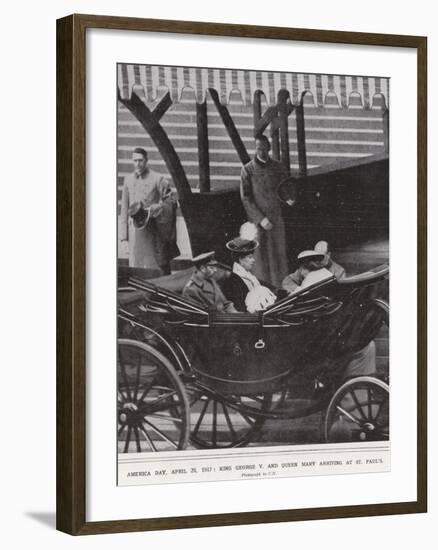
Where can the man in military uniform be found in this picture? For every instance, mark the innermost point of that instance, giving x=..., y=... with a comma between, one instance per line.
x=203, y=289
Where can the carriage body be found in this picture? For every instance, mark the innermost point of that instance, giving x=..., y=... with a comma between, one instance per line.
x=178, y=354
x=175, y=355
x=310, y=334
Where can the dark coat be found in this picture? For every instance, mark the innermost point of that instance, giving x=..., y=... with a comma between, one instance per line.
x=236, y=291
x=258, y=189
x=165, y=226
x=208, y=294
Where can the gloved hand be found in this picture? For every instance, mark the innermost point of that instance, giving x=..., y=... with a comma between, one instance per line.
x=259, y=298
x=266, y=224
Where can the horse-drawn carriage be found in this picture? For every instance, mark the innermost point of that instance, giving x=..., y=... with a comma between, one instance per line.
x=214, y=379
x=211, y=379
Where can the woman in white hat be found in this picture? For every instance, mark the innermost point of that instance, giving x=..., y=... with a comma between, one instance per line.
x=310, y=270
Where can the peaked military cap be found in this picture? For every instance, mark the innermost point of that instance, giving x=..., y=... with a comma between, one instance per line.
x=203, y=259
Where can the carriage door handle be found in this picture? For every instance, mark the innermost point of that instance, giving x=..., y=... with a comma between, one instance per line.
x=260, y=344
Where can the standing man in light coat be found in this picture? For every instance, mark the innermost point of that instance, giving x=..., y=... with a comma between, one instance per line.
x=148, y=217
x=258, y=189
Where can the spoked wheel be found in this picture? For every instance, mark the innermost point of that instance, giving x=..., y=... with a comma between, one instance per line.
x=358, y=411
x=220, y=422
x=153, y=409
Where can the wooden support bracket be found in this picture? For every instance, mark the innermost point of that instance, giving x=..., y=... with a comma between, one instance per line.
x=230, y=127
x=150, y=120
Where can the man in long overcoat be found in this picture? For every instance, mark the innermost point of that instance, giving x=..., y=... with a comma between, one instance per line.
x=258, y=190
x=152, y=242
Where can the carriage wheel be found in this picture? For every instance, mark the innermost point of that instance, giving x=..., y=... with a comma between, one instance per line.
x=358, y=411
x=220, y=423
x=153, y=409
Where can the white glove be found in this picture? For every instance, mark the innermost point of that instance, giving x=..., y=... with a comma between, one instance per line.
x=259, y=298
x=266, y=224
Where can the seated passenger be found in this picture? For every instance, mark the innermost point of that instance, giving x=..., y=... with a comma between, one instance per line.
x=203, y=289
x=310, y=271
x=322, y=248
x=242, y=287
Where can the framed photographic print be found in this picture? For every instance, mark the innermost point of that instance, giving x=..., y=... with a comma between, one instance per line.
x=233, y=202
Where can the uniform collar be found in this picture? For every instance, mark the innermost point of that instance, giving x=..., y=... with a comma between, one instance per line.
x=198, y=281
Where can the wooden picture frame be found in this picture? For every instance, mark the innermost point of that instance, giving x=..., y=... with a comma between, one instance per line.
x=71, y=272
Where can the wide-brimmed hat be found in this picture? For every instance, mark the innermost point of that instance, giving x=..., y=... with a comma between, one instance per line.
x=322, y=247
x=242, y=246
x=288, y=190
x=139, y=215
x=204, y=259
x=310, y=255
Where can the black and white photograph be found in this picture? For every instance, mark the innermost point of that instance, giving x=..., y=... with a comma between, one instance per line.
x=218, y=298
x=253, y=273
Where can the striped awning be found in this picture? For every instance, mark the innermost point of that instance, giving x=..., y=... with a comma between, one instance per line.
x=322, y=89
